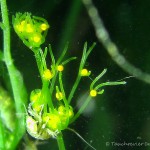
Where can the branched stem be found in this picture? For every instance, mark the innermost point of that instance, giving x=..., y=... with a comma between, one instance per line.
x=82, y=63
x=15, y=77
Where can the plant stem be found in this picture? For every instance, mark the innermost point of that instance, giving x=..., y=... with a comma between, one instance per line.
x=74, y=88
x=45, y=92
x=60, y=142
x=109, y=84
x=2, y=138
x=38, y=60
x=18, y=89
x=82, y=63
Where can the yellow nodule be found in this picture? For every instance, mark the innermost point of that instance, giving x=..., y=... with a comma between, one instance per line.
x=60, y=68
x=61, y=110
x=85, y=72
x=71, y=113
x=35, y=97
x=59, y=95
x=36, y=107
x=45, y=117
x=93, y=93
x=23, y=22
x=47, y=74
x=36, y=38
x=29, y=28
x=44, y=26
x=20, y=27
x=54, y=122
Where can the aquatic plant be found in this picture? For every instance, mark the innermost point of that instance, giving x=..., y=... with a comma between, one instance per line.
x=50, y=109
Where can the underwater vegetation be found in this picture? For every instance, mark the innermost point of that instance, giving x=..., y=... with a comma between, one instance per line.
x=69, y=83
x=49, y=111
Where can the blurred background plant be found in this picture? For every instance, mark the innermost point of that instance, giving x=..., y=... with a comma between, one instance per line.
x=122, y=113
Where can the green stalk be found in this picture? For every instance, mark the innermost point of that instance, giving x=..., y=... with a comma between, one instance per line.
x=2, y=135
x=85, y=55
x=41, y=64
x=53, y=67
x=62, y=89
x=109, y=84
x=97, y=78
x=76, y=83
x=38, y=60
x=60, y=142
x=53, y=84
x=48, y=99
x=16, y=81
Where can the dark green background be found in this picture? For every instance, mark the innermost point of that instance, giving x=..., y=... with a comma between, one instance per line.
x=122, y=113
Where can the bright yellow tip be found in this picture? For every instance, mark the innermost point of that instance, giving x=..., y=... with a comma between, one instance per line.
x=59, y=96
x=47, y=75
x=35, y=97
x=61, y=110
x=44, y=26
x=85, y=72
x=22, y=22
x=29, y=28
x=36, y=107
x=20, y=27
x=54, y=122
x=36, y=38
x=60, y=68
x=71, y=114
x=45, y=118
x=93, y=93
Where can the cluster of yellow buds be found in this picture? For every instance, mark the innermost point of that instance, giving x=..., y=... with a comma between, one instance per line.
x=58, y=119
x=47, y=74
x=43, y=124
x=35, y=100
x=32, y=30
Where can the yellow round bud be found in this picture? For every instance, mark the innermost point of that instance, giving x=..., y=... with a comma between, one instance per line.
x=36, y=107
x=44, y=26
x=59, y=96
x=36, y=38
x=29, y=28
x=20, y=27
x=93, y=93
x=35, y=95
x=54, y=122
x=47, y=74
x=45, y=117
x=60, y=68
x=71, y=113
x=85, y=72
x=22, y=22
x=61, y=110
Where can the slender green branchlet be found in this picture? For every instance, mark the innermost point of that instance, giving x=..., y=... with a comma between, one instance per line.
x=16, y=82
